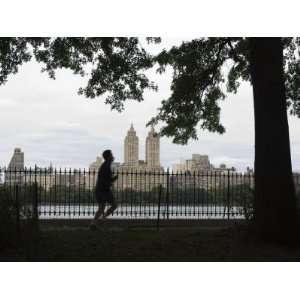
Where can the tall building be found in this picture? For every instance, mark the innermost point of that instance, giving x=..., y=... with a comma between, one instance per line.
x=152, y=149
x=132, y=171
x=16, y=164
x=178, y=168
x=93, y=171
x=17, y=160
x=189, y=164
x=131, y=148
x=94, y=166
x=200, y=162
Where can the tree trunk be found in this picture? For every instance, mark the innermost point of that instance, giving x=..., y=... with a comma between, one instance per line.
x=275, y=210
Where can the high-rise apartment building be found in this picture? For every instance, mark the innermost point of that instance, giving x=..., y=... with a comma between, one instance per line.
x=131, y=148
x=152, y=149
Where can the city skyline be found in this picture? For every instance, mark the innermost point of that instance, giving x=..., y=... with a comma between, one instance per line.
x=51, y=123
x=132, y=160
x=142, y=152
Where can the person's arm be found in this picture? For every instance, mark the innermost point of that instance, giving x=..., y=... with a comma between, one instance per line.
x=114, y=178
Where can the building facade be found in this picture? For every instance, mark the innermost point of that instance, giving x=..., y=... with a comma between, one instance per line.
x=198, y=163
x=152, y=149
x=138, y=174
x=131, y=148
x=14, y=173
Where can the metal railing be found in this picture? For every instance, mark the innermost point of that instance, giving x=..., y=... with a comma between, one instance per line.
x=69, y=193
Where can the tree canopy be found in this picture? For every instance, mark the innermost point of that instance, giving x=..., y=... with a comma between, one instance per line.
x=117, y=72
x=115, y=64
x=199, y=79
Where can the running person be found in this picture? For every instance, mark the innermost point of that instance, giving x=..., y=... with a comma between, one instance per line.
x=103, y=192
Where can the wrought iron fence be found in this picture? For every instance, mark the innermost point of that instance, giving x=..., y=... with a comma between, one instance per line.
x=69, y=193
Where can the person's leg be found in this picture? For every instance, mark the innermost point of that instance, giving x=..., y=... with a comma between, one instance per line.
x=110, y=210
x=113, y=205
x=100, y=211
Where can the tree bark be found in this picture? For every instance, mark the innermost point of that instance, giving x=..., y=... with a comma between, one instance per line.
x=275, y=212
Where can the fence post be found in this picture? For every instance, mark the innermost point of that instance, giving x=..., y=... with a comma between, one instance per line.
x=228, y=194
x=158, y=212
x=167, y=193
x=35, y=207
x=18, y=227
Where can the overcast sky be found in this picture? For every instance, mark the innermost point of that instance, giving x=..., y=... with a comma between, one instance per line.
x=51, y=123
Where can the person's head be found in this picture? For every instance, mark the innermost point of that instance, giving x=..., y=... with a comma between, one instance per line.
x=107, y=155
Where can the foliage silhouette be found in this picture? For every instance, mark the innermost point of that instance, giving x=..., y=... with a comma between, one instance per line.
x=7, y=218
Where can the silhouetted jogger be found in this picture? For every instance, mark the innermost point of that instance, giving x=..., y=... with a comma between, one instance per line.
x=103, y=192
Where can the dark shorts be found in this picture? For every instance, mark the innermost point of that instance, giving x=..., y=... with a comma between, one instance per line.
x=103, y=197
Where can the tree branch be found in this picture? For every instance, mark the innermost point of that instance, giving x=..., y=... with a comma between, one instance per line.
x=234, y=54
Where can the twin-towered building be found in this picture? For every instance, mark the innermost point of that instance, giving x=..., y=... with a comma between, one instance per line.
x=131, y=171
x=131, y=151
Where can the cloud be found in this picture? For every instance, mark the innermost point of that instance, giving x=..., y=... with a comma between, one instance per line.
x=66, y=125
x=7, y=103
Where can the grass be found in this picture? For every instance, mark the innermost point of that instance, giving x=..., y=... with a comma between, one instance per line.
x=117, y=243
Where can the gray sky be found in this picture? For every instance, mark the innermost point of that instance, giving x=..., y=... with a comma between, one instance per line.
x=51, y=123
